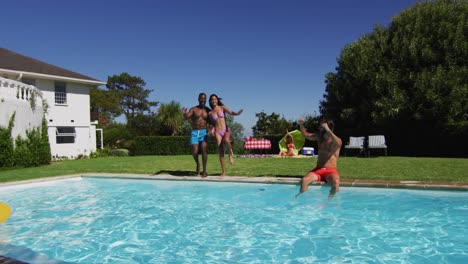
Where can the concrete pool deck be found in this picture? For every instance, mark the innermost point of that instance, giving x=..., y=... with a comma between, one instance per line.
x=454, y=186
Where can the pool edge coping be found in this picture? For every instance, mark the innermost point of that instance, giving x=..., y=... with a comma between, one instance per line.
x=454, y=186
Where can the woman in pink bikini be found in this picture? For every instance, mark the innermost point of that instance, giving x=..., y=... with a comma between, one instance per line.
x=220, y=129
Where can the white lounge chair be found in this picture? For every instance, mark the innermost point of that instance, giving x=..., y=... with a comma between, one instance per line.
x=377, y=142
x=355, y=143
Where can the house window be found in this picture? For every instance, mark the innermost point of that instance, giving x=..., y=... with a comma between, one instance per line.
x=60, y=93
x=65, y=135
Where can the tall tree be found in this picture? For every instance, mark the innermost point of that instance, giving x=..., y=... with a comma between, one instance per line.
x=132, y=94
x=237, y=130
x=412, y=75
x=104, y=105
x=144, y=125
x=270, y=124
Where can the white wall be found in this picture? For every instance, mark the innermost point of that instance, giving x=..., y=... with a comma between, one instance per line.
x=27, y=116
x=85, y=137
x=76, y=113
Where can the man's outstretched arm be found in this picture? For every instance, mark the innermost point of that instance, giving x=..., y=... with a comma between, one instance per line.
x=307, y=135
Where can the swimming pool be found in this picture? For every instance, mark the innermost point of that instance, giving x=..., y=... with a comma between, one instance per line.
x=93, y=220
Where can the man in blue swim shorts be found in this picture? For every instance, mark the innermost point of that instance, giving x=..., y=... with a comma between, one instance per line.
x=198, y=116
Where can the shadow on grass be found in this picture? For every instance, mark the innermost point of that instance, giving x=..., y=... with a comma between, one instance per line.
x=182, y=173
x=176, y=172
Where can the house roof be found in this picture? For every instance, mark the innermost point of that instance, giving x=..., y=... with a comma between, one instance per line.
x=12, y=61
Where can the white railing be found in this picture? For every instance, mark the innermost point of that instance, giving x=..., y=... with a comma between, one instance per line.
x=23, y=100
x=11, y=89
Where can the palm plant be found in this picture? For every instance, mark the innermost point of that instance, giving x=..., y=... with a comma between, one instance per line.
x=170, y=118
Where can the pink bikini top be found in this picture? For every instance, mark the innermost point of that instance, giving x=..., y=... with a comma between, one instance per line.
x=220, y=114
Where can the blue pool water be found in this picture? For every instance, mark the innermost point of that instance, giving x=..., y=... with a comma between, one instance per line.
x=94, y=220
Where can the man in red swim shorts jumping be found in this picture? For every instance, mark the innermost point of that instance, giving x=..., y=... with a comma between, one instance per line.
x=329, y=146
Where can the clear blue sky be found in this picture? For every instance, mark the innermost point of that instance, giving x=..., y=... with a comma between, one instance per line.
x=259, y=55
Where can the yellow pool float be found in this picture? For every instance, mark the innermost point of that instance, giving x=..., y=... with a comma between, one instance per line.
x=5, y=212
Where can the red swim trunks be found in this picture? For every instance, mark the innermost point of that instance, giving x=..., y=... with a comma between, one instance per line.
x=323, y=173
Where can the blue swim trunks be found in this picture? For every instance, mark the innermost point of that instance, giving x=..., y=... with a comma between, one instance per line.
x=198, y=136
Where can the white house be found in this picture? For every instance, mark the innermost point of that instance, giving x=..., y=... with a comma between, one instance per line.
x=26, y=82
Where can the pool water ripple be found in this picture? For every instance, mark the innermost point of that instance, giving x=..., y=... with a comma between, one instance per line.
x=142, y=221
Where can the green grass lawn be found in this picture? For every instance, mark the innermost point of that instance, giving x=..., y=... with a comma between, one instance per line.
x=353, y=168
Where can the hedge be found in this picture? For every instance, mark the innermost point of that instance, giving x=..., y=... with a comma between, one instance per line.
x=180, y=145
x=167, y=145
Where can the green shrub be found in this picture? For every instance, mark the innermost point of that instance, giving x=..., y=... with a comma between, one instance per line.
x=6, y=147
x=119, y=152
x=105, y=152
x=130, y=145
x=238, y=148
x=115, y=135
x=6, y=144
x=211, y=148
x=162, y=145
x=173, y=145
x=34, y=150
x=44, y=150
x=21, y=154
